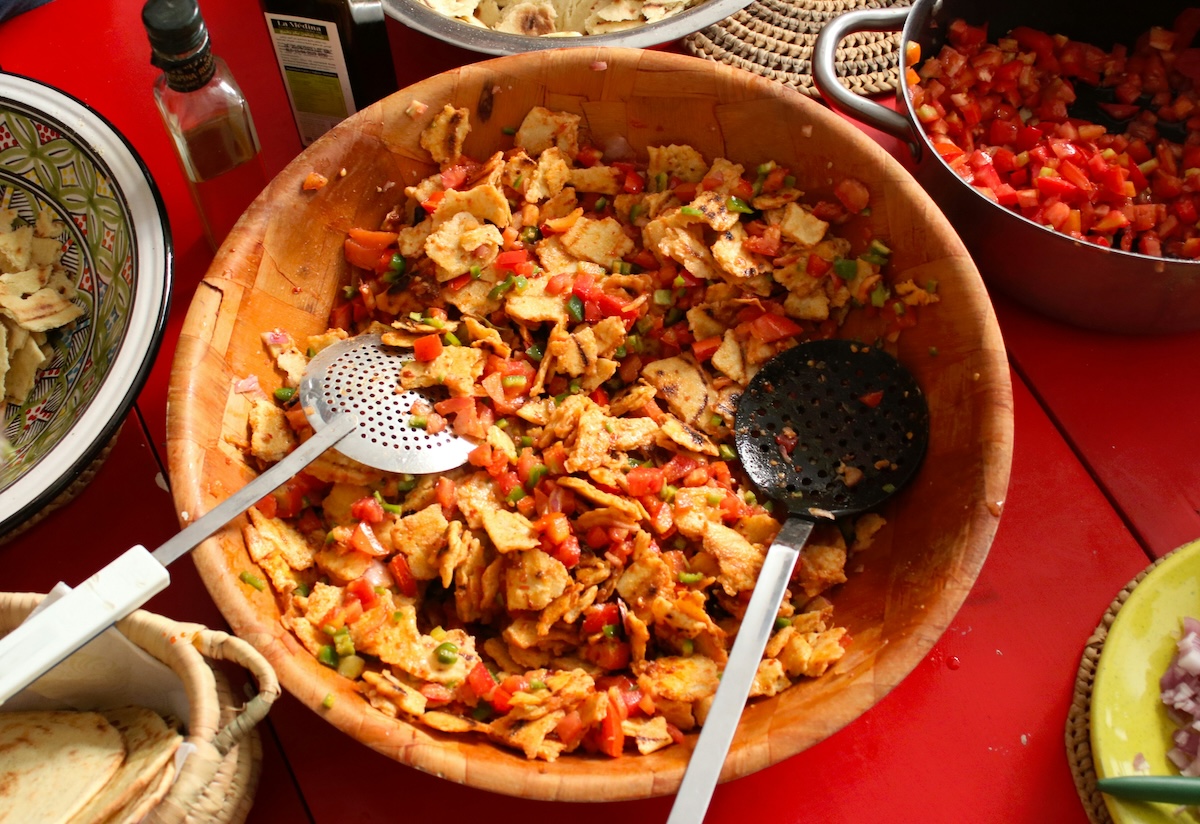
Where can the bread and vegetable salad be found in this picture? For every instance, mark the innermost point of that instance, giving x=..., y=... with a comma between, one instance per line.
x=588, y=321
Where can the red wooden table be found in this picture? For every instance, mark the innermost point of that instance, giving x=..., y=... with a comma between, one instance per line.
x=1106, y=476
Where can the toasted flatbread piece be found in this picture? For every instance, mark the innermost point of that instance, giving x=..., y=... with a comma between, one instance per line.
x=149, y=746
x=140, y=806
x=53, y=762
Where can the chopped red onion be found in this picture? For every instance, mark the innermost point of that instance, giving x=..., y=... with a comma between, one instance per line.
x=377, y=575
x=617, y=148
x=277, y=338
x=246, y=385
x=1179, y=689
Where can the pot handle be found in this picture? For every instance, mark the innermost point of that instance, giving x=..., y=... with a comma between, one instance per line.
x=837, y=95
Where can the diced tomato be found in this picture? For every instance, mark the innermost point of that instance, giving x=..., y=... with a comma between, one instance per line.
x=427, y=348
x=402, y=575
x=598, y=616
x=632, y=181
x=510, y=259
x=678, y=467
x=268, y=505
x=588, y=155
x=767, y=244
x=481, y=681
x=357, y=254
x=705, y=349
x=872, y=399
x=292, y=497
x=853, y=194
x=743, y=189
x=364, y=591
x=557, y=284
x=445, y=494
x=645, y=480
x=771, y=326
x=611, y=736
x=568, y=552
x=610, y=654
x=367, y=509
x=570, y=729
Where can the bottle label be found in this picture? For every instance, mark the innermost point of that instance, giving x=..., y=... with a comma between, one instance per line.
x=310, y=58
x=190, y=74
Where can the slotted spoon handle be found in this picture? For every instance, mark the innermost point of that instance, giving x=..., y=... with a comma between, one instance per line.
x=134, y=577
x=704, y=768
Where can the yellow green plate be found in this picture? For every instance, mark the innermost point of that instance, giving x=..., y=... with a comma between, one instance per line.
x=1127, y=716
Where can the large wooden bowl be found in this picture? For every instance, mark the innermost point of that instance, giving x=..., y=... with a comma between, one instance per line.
x=284, y=263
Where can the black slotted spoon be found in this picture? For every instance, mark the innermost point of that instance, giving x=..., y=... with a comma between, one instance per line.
x=809, y=422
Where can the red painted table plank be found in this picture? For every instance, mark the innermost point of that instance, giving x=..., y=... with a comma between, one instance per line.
x=1131, y=407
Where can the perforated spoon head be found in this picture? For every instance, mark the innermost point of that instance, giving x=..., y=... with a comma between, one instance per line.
x=362, y=375
x=831, y=428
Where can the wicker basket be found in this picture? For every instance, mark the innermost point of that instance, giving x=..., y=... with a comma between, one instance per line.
x=218, y=780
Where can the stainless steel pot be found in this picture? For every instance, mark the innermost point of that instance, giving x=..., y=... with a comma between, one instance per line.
x=1063, y=278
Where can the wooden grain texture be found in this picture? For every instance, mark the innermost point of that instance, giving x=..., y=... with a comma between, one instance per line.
x=283, y=264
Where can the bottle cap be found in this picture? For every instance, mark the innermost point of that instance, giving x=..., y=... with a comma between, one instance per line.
x=175, y=27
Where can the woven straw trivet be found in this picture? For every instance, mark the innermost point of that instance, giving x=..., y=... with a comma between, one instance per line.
x=774, y=39
x=1078, y=733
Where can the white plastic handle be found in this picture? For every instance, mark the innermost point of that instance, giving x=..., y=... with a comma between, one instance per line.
x=57, y=630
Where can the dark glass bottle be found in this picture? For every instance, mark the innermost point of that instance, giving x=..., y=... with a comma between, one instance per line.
x=206, y=116
x=334, y=56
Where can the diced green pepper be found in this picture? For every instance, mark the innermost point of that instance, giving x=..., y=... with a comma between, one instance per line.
x=736, y=204
x=690, y=578
x=575, y=308
x=284, y=394
x=727, y=452
x=845, y=268
x=253, y=580
x=879, y=295
x=328, y=701
x=327, y=656
x=351, y=667
x=536, y=474
x=395, y=509
x=342, y=642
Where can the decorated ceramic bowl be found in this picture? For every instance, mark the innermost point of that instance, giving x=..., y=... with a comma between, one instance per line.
x=61, y=159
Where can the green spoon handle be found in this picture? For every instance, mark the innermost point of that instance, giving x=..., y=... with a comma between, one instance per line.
x=1172, y=789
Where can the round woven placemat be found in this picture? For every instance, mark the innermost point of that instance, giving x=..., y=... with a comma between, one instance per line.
x=1078, y=733
x=774, y=38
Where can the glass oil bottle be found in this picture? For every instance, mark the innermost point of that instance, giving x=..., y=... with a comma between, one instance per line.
x=205, y=114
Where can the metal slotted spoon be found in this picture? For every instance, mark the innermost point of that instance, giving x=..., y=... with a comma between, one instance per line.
x=351, y=397
x=809, y=421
